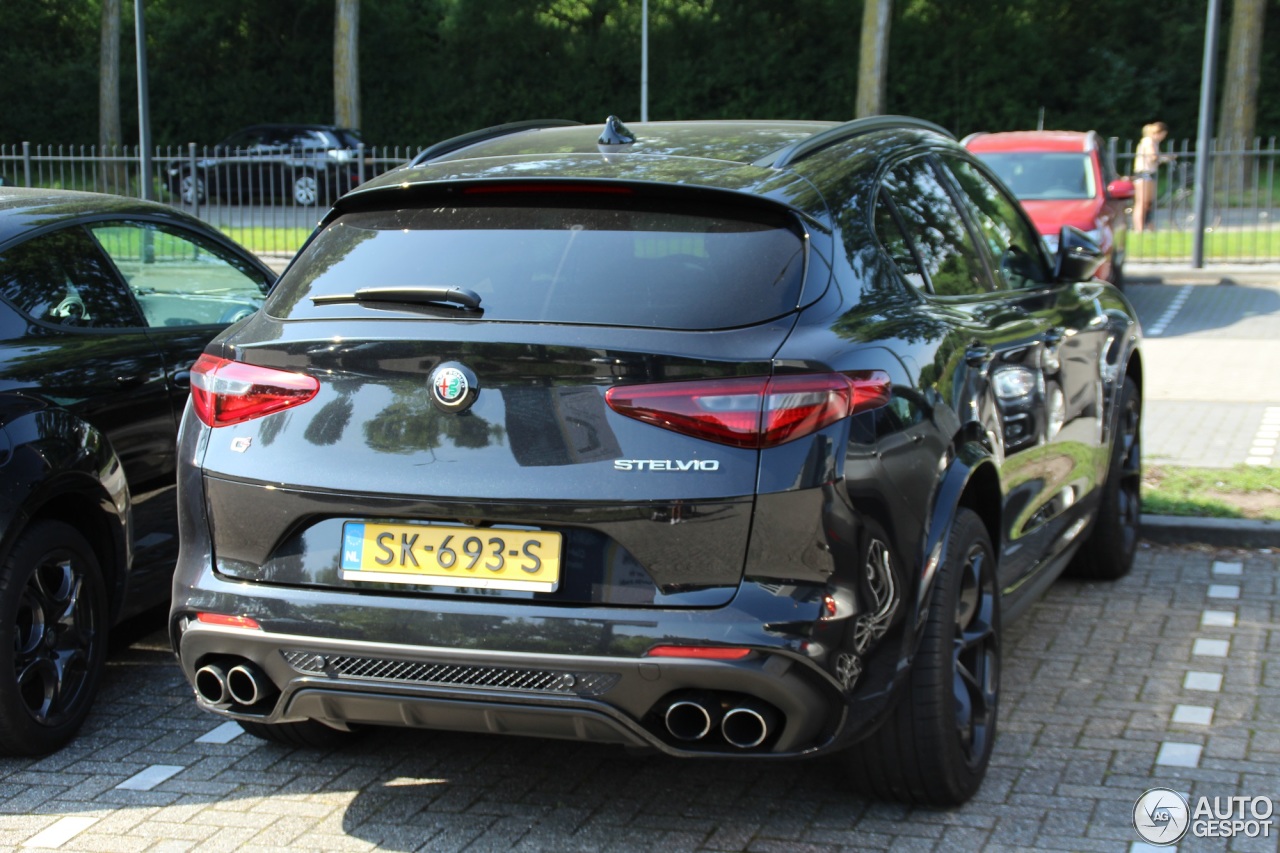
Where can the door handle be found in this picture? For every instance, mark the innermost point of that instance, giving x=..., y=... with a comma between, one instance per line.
x=182, y=379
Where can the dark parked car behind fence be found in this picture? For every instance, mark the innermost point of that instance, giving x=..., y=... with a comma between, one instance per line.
x=1243, y=217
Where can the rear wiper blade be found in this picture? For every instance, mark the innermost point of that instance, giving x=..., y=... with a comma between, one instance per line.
x=428, y=295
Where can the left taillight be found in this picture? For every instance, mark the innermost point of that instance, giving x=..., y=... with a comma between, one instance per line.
x=752, y=411
x=226, y=392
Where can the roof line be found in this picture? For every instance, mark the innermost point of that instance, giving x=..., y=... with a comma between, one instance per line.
x=789, y=154
x=455, y=143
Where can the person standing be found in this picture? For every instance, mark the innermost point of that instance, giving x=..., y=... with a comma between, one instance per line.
x=1146, y=160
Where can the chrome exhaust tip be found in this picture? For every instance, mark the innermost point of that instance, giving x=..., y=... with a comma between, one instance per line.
x=211, y=684
x=247, y=684
x=692, y=717
x=747, y=725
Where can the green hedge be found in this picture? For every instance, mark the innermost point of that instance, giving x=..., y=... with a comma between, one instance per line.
x=433, y=68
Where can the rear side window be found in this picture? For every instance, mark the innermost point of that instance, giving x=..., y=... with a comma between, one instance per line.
x=952, y=262
x=640, y=265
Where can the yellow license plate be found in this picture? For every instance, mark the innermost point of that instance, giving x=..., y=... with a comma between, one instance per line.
x=442, y=555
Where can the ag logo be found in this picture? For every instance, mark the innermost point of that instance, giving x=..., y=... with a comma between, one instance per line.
x=1161, y=816
x=453, y=387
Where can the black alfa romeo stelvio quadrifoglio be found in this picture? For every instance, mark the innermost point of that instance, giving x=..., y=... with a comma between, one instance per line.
x=718, y=438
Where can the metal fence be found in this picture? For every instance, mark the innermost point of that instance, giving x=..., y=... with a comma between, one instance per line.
x=271, y=202
x=1242, y=217
x=268, y=201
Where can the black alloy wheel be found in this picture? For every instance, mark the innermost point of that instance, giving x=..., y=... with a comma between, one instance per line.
x=976, y=659
x=1109, y=551
x=54, y=605
x=936, y=744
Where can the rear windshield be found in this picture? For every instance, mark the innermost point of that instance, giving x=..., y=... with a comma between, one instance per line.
x=598, y=264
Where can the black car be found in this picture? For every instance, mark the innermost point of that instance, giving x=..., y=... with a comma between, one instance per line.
x=305, y=164
x=711, y=438
x=105, y=304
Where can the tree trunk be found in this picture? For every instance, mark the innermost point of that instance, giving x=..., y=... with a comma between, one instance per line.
x=346, y=64
x=109, y=137
x=1237, y=120
x=873, y=59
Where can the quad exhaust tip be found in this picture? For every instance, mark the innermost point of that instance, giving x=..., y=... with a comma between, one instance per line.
x=235, y=684
x=748, y=725
x=211, y=684
x=743, y=724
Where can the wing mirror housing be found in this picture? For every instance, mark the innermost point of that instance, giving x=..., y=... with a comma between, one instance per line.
x=1078, y=258
x=1121, y=190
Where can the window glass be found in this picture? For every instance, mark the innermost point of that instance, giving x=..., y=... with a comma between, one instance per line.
x=178, y=279
x=62, y=278
x=952, y=263
x=1045, y=176
x=242, y=140
x=566, y=258
x=1013, y=243
x=897, y=244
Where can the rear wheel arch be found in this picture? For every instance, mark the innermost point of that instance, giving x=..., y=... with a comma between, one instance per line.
x=86, y=512
x=62, y=469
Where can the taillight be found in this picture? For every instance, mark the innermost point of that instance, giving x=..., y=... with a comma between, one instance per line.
x=227, y=392
x=753, y=411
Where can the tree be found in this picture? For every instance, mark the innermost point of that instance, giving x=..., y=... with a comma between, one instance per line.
x=346, y=63
x=109, y=135
x=1242, y=75
x=873, y=58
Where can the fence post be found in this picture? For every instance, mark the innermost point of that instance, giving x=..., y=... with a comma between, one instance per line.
x=26, y=163
x=195, y=181
x=360, y=160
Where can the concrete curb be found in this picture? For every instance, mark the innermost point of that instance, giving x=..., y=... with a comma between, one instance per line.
x=1225, y=532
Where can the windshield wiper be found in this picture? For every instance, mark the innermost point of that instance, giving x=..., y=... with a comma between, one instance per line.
x=451, y=296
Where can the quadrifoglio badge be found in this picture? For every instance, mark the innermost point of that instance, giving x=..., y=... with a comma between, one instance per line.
x=1164, y=816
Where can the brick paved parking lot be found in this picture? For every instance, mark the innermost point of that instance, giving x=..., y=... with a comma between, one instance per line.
x=1169, y=678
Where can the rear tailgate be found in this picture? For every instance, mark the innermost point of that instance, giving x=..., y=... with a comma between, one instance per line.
x=573, y=300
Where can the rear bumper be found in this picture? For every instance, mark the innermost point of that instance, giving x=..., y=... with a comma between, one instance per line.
x=602, y=699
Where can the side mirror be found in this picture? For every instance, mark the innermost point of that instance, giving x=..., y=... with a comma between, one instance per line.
x=1120, y=190
x=1078, y=256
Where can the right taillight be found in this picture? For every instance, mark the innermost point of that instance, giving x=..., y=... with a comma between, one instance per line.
x=226, y=392
x=752, y=411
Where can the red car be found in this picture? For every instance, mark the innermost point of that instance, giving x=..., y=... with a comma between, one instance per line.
x=1063, y=177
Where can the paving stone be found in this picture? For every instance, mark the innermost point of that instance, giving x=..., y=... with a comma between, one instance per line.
x=1093, y=676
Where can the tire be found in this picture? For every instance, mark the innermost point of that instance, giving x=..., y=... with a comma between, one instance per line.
x=307, y=189
x=936, y=743
x=54, y=604
x=1108, y=552
x=307, y=734
x=192, y=189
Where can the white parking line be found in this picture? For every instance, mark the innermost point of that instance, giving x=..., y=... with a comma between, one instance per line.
x=1179, y=299
x=1174, y=754
x=1211, y=648
x=224, y=733
x=1263, y=450
x=149, y=778
x=1194, y=715
x=1209, y=682
x=60, y=833
x=1218, y=619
